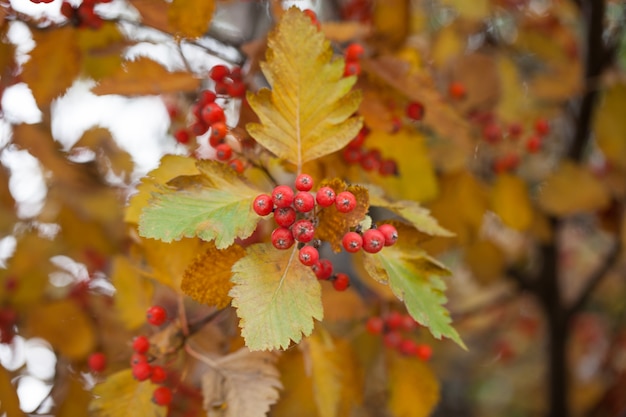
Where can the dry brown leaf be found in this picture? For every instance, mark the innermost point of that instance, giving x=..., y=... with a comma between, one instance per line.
x=485, y=260
x=109, y=156
x=101, y=50
x=146, y=77
x=609, y=126
x=391, y=22
x=479, y=74
x=345, y=31
x=153, y=13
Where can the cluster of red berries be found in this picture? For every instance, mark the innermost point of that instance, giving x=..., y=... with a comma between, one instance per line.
x=371, y=160
x=353, y=54
x=415, y=111
x=141, y=367
x=41, y=1
x=372, y=240
x=8, y=317
x=394, y=327
x=84, y=15
x=228, y=82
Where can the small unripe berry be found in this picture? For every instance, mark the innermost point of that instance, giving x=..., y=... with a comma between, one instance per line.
x=158, y=374
x=303, y=231
x=282, y=196
x=142, y=371
x=97, y=362
x=285, y=216
x=341, y=281
x=156, y=315
x=304, y=202
x=162, y=396
x=263, y=205
x=345, y=202
x=304, y=182
x=325, y=196
x=308, y=255
x=389, y=232
x=354, y=51
x=352, y=242
x=373, y=241
x=415, y=110
x=141, y=344
x=375, y=325
x=282, y=238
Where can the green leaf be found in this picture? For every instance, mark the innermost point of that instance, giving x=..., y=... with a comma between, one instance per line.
x=309, y=111
x=120, y=395
x=276, y=297
x=215, y=205
x=415, y=278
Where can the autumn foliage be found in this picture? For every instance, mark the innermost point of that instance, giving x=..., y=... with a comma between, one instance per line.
x=454, y=247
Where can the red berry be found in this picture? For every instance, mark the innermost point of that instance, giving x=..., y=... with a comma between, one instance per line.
x=282, y=238
x=408, y=324
x=392, y=339
x=67, y=10
x=218, y=133
x=304, y=182
x=237, y=165
x=182, y=136
x=533, y=145
x=97, y=362
x=221, y=87
x=223, y=152
x=308, y=255
x=506, y=163
x=370, y=161
x=219, y=72
x=158, y=374
x=303, y=231
x=236, y=89
x=323, y=269
x=373, y=241
x=304, y=202
x=388, y=167
x=352, y=155
x=282, y=196
x=457, y=90
x=394, y=320
x=424, y=352
x=375, y=325
x=141, y=344
x=199, y=128
x=235, y=74
x=354, y=52
x=542, y=127
x=137, y=358
x=352, y=242
x=162, y=396
x=263, y=205
x=389, y=232
x=311, y=14
x=352, y=68
x=206, y=96
x=345, y=202
x=285, y=216
x=341, y=281
x=408, y=347
x=156, y=315
x=515, y=130
x=212, y=113
x=415, y=110
x=325, y=196
x=359, y=139
x=142, y=371
x=492, y=133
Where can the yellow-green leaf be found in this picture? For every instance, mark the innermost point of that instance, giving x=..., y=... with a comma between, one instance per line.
x=411, y=378
x=215, y=205
x=120, y=395
x=133, y=293
x=207, y=278
x=190, y=18
x=309, y=111
x=510, y=201
x=276, y=297
x=609, y=126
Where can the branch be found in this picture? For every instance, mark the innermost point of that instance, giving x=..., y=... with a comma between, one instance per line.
x=594, y=280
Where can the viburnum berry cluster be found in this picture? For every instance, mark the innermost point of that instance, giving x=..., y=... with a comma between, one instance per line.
x=371, y=160
x=353, y=54
x=395, y=329
x=82, y=16
x=141, y=367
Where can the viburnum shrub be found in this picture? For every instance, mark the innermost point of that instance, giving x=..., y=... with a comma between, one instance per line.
x=279, y=233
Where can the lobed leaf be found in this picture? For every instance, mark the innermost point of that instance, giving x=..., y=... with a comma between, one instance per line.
x=309, y=111
x=276, y=297
x=215, y=205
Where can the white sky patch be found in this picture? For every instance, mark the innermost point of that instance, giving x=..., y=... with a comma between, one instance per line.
x=20, y=35
x=19, y=106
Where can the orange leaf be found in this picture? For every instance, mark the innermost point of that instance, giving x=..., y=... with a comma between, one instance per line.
x=190, y=18
x=153, y=13
x=146, y=77
x=101, y=50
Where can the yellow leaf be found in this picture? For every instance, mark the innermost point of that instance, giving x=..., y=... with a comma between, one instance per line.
x=207, y=278
x=486, y=261
x=337, y=385
x=475, y=10
x=9, y=401
x=345, y=305
x=416, y=180
x=297, y=398
x=391, y=21
x=76, y=400
x=120, y=395
x=334, y=224
x=101, y=50
x=515, y=103
x=145, y=77
x=171, y=166
x=573, y=189
x=65, y=326
x=510, y=201
x=133, y=293
x=190, y=18
x=411, y=378
x=169, y=261
x=609, y=126
x=309, y=111
x=345, y=31
x=447, y=46
x=53, y=64
x=153, y=13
